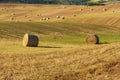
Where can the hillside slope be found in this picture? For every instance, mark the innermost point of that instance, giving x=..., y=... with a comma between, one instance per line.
x=61, y=32
x=103, y=15
x=18, y=19
x=62, y=53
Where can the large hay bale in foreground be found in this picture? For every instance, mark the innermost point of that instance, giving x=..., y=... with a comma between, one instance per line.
x=92, y=39
x=30, y=40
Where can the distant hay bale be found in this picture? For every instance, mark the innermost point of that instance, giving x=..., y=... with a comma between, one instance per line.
x=63, y=17
x=13, y=14
x=29, y=20
x=57, y=17
x=105, y=9
x=92, y=39
x=74, y=15
x=81, y=9
x=41, y=19
x=12, y=18
x=30, y=40
x=26, y=16
x=44, y=18
x=91, y=9
x=38, y=15
x=64, y=7
x=47, y=18
x=113, y=11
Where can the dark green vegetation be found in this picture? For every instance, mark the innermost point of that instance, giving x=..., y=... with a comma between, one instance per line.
x=70, y=2
x=82, y=2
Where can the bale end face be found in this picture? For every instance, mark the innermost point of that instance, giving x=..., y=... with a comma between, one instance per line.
x=63, y=17
x=92, y=39
x=30, y=40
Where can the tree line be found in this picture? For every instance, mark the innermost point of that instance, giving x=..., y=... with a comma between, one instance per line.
x=70, y=2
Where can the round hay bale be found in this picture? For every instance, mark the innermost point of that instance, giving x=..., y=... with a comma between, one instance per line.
x=26, y=16
x=74, y=15
x=13, y=14
x=105, y=9
x=12, y=18
x=57, y=17
x=63, y=17
x=41, y=19
x=92, y=39
x=91, y=9
x=30, y=40
x=44, y=18
x=29, y=20
x=64, y=7
x=47, y=18
x=38, y=15
x=81, y=9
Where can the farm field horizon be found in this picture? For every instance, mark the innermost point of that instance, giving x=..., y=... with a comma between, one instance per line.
x=62, y=53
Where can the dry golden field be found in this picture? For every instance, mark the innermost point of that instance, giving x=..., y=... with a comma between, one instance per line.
x=62, y=53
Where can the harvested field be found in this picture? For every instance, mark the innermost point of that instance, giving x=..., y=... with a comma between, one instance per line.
x=82, y=62
x=110, y=13
x=62, y=53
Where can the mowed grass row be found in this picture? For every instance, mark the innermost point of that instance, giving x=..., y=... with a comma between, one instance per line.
x=60, y=32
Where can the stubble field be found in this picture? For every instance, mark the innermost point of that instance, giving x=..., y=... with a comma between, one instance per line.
x=62, y=53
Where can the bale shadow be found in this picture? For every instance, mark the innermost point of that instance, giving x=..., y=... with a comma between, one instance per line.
x=104, y=43
x=49, y=47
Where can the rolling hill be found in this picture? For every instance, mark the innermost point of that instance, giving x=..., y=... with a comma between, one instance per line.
x=18, y=19
x=62, y=53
